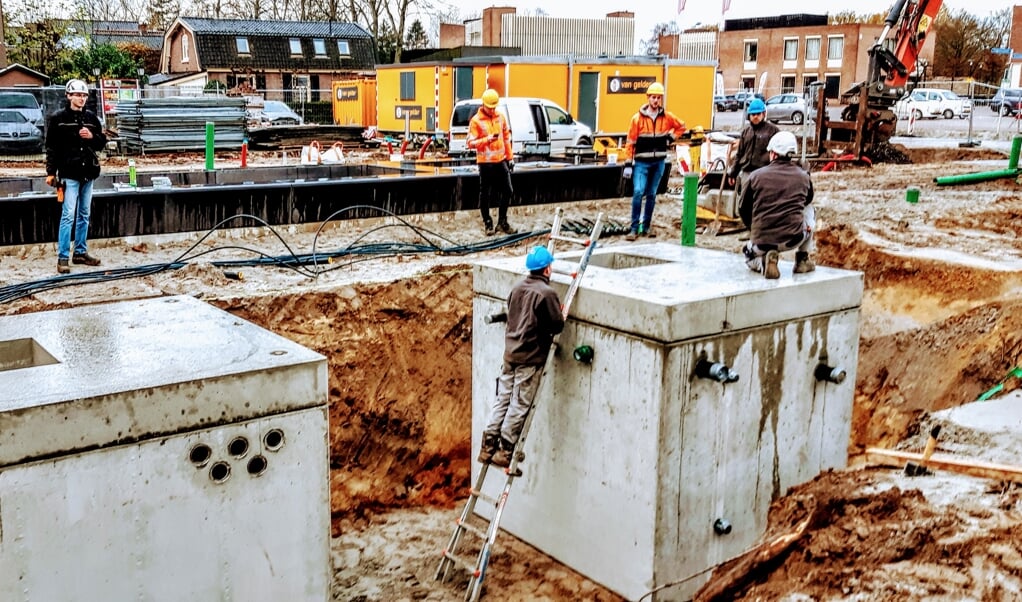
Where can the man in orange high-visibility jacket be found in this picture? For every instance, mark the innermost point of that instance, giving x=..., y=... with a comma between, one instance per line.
x=490, y=136
x=652, y=132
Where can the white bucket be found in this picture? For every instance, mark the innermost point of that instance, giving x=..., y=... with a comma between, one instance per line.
x=397, y=157
x=611, y=157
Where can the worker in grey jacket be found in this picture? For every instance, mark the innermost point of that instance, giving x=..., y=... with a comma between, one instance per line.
x=776, y=206
x=534, y=318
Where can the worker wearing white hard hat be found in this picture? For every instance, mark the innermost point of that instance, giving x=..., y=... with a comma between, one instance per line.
x=776, y=205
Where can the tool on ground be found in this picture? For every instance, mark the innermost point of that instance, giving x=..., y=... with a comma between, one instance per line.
x=487, y=533
x=59, y=184
x=714, y=228
x=918, y=470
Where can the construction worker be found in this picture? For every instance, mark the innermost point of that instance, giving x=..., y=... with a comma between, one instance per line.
x=534, y=318
x=652, y=131
x=752, y=146
x=73, y=136
x=776, y=205
x=490, y=136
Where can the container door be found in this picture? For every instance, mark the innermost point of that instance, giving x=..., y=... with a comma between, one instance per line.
x=588, y=89
x=462, y=83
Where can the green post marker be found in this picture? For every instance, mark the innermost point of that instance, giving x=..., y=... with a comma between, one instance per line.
x=209, y=146
x=688, y=213
x=1016, y=148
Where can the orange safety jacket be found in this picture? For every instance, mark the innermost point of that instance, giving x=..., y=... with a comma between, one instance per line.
x=650, y=134
x=481, y=128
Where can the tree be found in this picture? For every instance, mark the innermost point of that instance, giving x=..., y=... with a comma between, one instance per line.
x=963, y=43
x=39, y=46
x=109, y=59
x=651, y=45
x=161, y=13
x=416, y=37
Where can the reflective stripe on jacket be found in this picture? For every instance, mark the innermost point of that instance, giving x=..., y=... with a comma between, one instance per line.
x=481, y=128
x=650, y=134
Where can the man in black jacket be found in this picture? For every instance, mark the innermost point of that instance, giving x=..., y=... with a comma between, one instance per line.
x=534, y=318
x=776, y=205
x=73, y=136
x=752, y=146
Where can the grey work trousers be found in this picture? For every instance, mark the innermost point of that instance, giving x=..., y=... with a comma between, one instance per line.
x=516, y=390
x=754, y=254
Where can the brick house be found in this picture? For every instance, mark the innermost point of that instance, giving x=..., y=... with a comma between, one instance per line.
x=787, y=53
x=267, y=55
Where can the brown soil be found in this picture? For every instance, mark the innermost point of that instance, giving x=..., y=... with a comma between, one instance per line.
x=940, y=324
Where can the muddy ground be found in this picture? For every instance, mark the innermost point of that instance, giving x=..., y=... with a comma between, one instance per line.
x=940, y=324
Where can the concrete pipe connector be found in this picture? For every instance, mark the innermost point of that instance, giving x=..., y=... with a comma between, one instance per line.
x=831, y=374
x=717, y=371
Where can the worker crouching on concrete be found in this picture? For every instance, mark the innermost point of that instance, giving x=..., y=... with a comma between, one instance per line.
x=776, y=206
x=533, y=320
x=490, y=136
x=652, y=131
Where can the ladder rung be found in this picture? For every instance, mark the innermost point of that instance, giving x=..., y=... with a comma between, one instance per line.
x=474, y=530
x=483, y=496
x=571, y=272
x=581, y=241
x=463, y=563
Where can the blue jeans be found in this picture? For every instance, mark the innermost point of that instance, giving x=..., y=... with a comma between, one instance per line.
x=77, y=207
x=645, y=180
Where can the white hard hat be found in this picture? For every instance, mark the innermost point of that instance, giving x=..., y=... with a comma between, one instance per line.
x=76, y=86
x=783, y=143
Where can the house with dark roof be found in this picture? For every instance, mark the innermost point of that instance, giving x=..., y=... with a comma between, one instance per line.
x=267, y=55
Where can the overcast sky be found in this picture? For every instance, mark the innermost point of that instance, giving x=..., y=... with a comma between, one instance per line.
x=650, y=12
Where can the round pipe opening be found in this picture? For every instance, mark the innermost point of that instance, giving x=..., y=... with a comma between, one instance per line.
x=238, y=447
x=219, y=472
x=273, y=440
x=257, y=465
x=200, y=454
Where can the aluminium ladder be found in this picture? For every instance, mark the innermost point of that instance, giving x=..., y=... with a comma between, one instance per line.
x=488, y=535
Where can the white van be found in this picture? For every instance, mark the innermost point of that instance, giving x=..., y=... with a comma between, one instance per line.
x=538, y=126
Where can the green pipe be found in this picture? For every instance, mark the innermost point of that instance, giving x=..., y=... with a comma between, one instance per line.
x=209, y=146
x=688, y=214
x=979, y=176
x=1016, y=147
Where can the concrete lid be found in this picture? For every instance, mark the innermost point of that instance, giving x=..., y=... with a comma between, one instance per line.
x=98, y=374
x=671, y=293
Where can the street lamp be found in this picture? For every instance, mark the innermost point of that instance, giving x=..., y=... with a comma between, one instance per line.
x=95, y=72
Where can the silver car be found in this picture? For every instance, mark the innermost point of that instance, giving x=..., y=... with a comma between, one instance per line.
x=18, y=134
x=786, y=107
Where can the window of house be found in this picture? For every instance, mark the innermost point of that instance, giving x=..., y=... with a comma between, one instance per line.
x=342, y=48
x=184, y=48
x=812, y=49
x=296, y=46
x=319, y=46
x=407, y=85
x=808, y=80
x=787, y=84
x=751, y=51
x=242, y=44
x=835, y=48
x=791, y=49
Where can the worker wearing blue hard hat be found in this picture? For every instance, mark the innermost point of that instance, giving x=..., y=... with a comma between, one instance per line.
x=534, y=318
x=752, y=145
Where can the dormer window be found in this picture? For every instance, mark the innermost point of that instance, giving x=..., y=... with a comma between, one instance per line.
x=319, y=46
x=342, y=48
x=184, y=48
x=242, y=44
x=296, y=46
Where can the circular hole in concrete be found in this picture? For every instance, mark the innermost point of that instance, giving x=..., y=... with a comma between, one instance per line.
x=257, y=465
x=200, y=454
x=273, y=440
x=278, y=352
x=238, y=447
x=219, y=472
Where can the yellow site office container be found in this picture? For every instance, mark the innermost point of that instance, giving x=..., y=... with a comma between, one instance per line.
x=355, y=102
x=422, y=91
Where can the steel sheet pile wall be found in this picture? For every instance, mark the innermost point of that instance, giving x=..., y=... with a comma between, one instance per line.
x=179, y=124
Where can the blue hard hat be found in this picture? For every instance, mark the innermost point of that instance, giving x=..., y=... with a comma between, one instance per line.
x=538, y=258
x=756, y=107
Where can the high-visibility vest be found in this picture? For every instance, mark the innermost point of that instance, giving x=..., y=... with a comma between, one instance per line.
x=481, y=129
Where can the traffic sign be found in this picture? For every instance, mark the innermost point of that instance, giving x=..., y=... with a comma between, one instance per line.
x=1000, y=51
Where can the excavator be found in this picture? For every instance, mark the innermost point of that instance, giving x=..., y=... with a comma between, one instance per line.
x=868, y=121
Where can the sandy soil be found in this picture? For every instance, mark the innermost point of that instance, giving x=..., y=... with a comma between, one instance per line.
x=940, y=325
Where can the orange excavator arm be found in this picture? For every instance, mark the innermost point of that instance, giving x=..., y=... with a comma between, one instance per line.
x=912, y=19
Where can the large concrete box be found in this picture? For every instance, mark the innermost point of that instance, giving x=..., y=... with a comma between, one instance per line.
x=632, y=458
x=160, y=450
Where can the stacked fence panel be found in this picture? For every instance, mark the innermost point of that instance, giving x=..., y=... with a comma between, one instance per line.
x=155, y=125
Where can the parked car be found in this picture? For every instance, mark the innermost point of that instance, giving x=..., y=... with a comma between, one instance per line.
x=932, y=103
x=1007, y=101
x=538, y=126
x=726, y=103
x=18, y=134
x=786, y=107
x=23, y=103
x=275, y=112
x=744, y=98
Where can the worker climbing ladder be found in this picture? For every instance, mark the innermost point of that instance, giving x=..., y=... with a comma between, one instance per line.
x=488, y=534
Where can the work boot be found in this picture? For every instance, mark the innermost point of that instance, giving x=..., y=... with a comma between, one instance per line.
x=632, y=235
x=506, y=228
x=490, y=230
x=85, y=259
x=491, y=443
x=803, y=265
x=62, y=267
x=502, y=457
x=649, y=232
x=770, y=265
